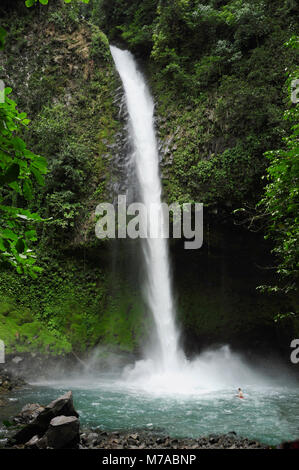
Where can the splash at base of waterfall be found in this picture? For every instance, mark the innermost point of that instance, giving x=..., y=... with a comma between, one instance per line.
x=211, y=371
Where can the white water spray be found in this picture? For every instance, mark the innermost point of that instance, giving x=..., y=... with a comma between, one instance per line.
x=146, y=159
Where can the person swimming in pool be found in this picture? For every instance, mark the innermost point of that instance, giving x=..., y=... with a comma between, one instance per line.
x=240, y=393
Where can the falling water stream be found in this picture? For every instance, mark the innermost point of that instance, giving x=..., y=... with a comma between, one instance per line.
x=146, y=160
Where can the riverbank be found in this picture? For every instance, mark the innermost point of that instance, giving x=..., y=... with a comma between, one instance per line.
x=100, y=439
x=96, y=439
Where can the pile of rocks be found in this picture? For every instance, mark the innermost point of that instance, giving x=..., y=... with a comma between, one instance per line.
x=149, y=440
x=54, y=426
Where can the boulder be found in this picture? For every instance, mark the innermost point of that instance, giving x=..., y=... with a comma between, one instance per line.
x=62, y=404
x=63, y=432
x=39, y=425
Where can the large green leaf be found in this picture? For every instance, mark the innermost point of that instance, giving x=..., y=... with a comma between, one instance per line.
x=27, y=189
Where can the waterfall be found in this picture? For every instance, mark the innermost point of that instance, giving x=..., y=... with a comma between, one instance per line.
x=157, y=289
x=165, y=368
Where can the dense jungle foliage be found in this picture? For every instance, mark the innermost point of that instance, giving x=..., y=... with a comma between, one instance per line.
x=220, y=72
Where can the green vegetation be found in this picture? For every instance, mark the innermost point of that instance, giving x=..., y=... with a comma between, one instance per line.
x=217, y=73
x=281, y=200
x=69, y=95
x=69, y=307
x=18, y=167
x=30, y=3
x=23, y=332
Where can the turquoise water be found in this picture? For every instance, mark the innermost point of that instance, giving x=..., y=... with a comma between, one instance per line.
x=268, y=414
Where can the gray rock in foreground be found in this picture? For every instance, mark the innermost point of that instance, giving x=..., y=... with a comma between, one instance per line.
x=38, y=418
x=63, y=432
